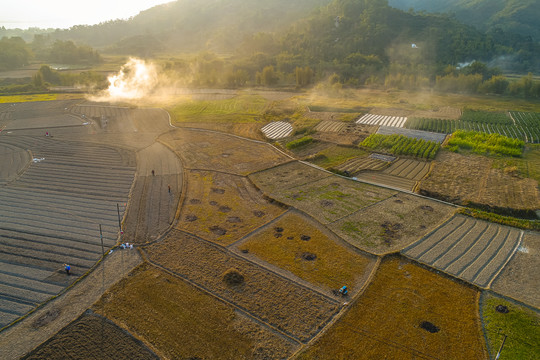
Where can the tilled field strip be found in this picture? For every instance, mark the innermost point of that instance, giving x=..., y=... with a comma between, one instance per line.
x=330, y=126
x=356, y=165
x=277, y=130
x=382, y=120
x=51, y=214
x=467, y=248
x=408, y=168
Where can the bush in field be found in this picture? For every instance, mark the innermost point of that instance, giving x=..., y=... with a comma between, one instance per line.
x=299, y=142
x=483, y=143
x=401, y=145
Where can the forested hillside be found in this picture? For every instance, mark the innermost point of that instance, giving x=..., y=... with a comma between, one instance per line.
x=510, y=16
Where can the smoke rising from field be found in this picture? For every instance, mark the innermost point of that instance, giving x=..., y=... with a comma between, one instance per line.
x=135, y=80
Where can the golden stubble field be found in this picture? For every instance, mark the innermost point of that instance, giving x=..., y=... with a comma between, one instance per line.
x=407, y=312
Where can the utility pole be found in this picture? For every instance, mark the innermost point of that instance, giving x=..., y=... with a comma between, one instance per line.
x=500, y=349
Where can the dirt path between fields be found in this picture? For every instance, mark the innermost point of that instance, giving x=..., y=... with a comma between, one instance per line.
x=54, y=315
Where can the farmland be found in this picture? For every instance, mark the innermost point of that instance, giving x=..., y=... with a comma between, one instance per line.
x=473, y=179
x=223, y=208
x=382, y=120
x=298, y=245
x=297, y=311
x=91, y=337
x=406, y=312
x=181, y=321
x=469, y=249
x=401, y=145
x=391, y=224
x=519, y=323
x=519, y=280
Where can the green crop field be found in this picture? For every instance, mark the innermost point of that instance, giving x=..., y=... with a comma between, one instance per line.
x=401, y=145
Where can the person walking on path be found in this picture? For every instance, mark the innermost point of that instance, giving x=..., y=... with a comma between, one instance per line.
x=169, y=186
x=67, y=268
x=153, y=173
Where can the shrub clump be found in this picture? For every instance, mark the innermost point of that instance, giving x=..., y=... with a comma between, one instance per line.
x=233, y=277
x=299, y=142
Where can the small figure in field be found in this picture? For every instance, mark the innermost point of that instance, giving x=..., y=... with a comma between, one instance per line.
x=344, y=291
x=67, y=268
x=153, y=173
x=169, y=186
x=46, y=133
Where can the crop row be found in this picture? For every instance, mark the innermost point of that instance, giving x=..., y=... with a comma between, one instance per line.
x=402, y=145
x=484, y=143
x=525, y=126
x=277, y=130
x=383, y=120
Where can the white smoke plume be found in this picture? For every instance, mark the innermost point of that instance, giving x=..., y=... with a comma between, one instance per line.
x=135, y=80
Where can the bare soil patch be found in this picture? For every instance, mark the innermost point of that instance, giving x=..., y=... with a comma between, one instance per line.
x=309, y=251
x=250, y=130
x=520, y=278
x=291, y=308
x=92, y=337
x=391, y=225
x=388, y=319
x=216, y=151
x=181, y=322
x=223, y=208
x=471, y=179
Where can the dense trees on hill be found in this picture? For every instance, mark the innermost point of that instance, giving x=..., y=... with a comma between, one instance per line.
x=14, y=53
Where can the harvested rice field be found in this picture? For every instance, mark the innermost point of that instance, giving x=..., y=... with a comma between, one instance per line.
x=222, y=208
x=304, y=248
x=407, y=312
x=92, y=337
x=297, y=311
x=179, y=321
x=392, y=224
x=471, y=178
x=520, y=278
x=520, y=325
x=470, y=249
x=208, y=150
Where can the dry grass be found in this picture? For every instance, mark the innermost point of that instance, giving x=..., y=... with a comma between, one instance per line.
x=215, y=151
x=182, y=322
x=467, y=179
x=385, y=322
x=393, y=223
x=321, y=259
x=289, y=307
x=222, y=208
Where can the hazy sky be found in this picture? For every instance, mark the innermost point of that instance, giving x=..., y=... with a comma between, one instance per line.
x=66, y=13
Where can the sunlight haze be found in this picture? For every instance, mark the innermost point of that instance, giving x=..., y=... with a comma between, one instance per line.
x=64, y=14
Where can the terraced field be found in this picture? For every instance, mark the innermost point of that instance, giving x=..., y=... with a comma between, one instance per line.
x=382, y=120
x=51, y=214
x=356, y=165
x=469, y=249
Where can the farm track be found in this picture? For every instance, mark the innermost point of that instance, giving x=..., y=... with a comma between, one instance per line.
x=469, y=249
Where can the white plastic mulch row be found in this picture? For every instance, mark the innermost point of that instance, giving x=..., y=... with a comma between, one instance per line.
x=277, y=130
x=383, y=120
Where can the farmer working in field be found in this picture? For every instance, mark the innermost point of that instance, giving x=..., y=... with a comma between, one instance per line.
x=67, y=268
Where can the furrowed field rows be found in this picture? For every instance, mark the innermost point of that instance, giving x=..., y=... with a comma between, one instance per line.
x=51, y=215
x=277, y=130
x=409, y=169
x=354, y=166
x=382, y=120
x=330, y=126
x=387, y=179
x=467, y=248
